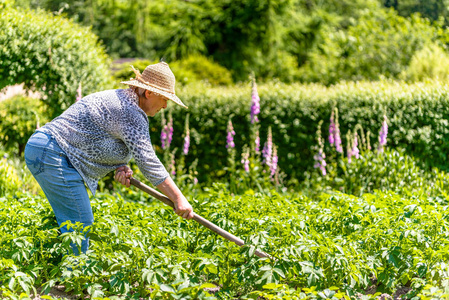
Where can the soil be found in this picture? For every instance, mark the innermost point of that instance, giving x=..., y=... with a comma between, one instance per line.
x=57, y=291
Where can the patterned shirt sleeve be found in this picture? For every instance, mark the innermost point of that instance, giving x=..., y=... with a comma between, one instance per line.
x=134, y=131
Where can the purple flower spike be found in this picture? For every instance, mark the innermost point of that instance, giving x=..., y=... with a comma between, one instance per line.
x=169, y=130
x=186, y=144
x=245, y=160
x=163, y=136
x=320, y=161
x=355, y=151
x=78, y=93
x=274, y=162
x=230, y=136
x=268, y=148
x=338, y=146
x=257, y=142
x=383, y=134
x=332, y=129
x=255, y=103
x=187, y=137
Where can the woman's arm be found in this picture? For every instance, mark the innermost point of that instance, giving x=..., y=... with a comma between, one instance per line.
x=182, y=207
x=167, y=187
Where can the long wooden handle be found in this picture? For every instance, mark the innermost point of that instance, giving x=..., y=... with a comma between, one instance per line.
x=198, y=218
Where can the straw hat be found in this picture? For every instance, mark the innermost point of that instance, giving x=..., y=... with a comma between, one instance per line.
x=157, y=78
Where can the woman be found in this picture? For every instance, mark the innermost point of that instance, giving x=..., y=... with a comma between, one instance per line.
x=99, y=134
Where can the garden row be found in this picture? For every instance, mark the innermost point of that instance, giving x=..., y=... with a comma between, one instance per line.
x=332, y=245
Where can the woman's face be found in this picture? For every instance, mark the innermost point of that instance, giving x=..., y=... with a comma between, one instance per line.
x=152, y=104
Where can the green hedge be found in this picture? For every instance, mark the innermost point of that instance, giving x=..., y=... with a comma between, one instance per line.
x=19, y=118
x=418, y=120
x=51, y=55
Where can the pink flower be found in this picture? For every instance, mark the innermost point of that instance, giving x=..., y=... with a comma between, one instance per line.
x=320, y=161
x=255, y=103
x=274, y=162
x=245, y=160
x=257, y=142
x=78, y=93
x=383, y=135
x=230, y=136
x=268, y=148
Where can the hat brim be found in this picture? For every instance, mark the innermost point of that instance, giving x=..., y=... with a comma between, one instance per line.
x=167, y=95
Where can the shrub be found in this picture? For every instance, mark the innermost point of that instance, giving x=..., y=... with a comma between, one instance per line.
x=51, y=55
x=19, y=118
x=392, y=170
x=9, y=180
x=418, y=120
x=190, y=70
x=380, y=44
x=429, y=63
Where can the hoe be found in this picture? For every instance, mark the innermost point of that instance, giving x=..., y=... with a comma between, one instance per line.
x=196, y=217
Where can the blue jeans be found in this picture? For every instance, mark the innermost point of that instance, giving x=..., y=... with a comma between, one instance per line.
x=60, y=181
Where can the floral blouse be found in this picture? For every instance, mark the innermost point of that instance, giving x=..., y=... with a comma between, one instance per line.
x=102, y=131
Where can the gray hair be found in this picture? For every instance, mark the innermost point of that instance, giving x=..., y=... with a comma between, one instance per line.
x=140, y=91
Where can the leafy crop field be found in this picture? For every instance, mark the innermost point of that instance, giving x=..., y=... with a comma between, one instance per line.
x=329, y=246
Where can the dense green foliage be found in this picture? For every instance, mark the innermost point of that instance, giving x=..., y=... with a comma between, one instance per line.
x=391, y=170
x=307, y=40
x=189, y=70
x=9, y=179
x=51, y=55
x=19, y=118
x=379, y=44
x=331, y=244
x=417, y=114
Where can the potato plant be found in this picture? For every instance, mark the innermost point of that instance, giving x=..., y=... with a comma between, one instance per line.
x=330, y=246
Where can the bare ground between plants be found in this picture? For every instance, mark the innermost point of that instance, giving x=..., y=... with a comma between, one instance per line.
x=58, y=291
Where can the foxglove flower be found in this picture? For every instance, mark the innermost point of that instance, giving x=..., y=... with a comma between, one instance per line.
x=338, y=146
x=334, y=132
x=274, y=162
x=349, y=146
x=163, y=132
x=355, y=150
x=332, y=129
x=245, y=160
x=169, y=130
x=268, y=148
x=187, y=137
x=383, y=134
x=257, y=142
x=172, y=166
x=186, y=144
x=320, y=161
x=78, y=93
x=255, y=103
x=230, y=136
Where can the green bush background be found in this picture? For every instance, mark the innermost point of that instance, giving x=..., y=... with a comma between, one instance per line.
x=51, y=55
x=19, y=118
x=418, y=120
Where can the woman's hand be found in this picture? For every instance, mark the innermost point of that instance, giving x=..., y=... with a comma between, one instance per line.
x=183, y=208
x=123, y=175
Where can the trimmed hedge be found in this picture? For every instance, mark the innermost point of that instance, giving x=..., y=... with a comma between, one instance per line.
x=418, y=120
x=19, y=118
x=51, y=55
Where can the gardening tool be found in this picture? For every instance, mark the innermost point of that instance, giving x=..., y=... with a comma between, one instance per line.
x=196, y=217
